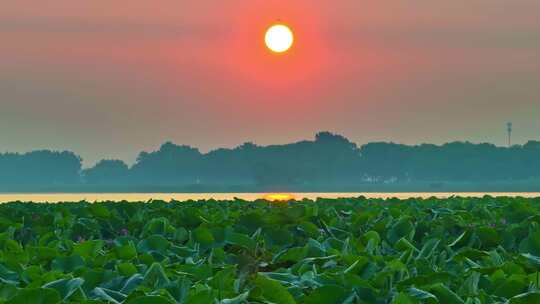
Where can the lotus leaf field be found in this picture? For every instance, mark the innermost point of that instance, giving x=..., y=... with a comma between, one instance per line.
x=455, y=250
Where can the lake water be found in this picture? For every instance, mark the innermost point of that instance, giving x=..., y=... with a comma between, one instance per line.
x=134, y=197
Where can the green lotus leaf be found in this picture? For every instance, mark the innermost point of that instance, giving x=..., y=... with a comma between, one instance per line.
x=68, y=264
x=36, y=296
x=273, y=291
x=65, y=287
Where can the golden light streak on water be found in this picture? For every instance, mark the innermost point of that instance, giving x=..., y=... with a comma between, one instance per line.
x=279, y=197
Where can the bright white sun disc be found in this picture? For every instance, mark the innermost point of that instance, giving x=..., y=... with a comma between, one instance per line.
x=279, y=38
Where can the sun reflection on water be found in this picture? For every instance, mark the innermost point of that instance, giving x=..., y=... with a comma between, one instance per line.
x=279, y=197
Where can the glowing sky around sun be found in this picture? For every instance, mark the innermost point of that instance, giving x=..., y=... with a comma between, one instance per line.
x=111, y=78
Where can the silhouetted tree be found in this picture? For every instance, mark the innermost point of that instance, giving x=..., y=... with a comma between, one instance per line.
x=170, y=165
x=39, y=170
x=111, y=172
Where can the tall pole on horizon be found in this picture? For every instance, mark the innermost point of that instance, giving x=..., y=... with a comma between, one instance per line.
x=509, y=130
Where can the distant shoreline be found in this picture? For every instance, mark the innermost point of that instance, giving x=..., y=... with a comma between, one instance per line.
x=328, y=163
x=398, y=187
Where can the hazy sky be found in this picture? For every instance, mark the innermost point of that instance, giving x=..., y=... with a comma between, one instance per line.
x=108, y=79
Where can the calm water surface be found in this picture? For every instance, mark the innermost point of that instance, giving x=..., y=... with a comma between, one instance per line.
x=135, y=197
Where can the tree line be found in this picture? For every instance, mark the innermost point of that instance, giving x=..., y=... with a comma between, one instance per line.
x=329, y=159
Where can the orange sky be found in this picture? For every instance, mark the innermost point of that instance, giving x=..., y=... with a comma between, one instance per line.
x=108, y=79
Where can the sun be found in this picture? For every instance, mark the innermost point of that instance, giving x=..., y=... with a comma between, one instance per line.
x=279, y=38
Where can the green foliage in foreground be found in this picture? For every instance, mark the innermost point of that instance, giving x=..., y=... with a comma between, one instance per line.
x=451, y=251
